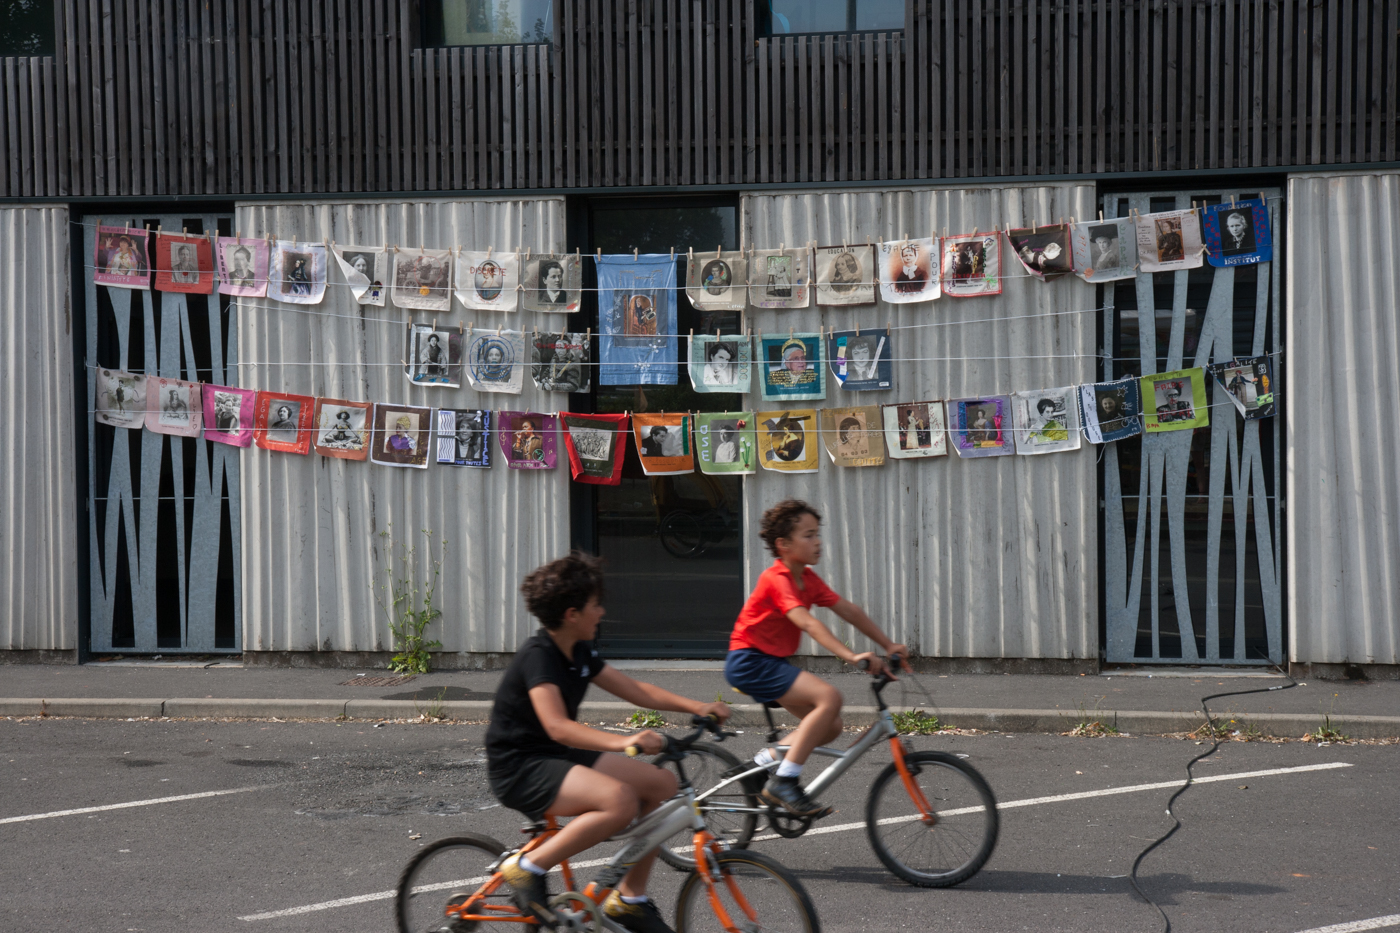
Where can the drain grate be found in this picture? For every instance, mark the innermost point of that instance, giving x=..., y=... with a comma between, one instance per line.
x=363, y=681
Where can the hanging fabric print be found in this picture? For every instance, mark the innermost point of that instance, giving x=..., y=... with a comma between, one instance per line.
x=342, y=428
x=725, y=442
x=120, y=399
x=915, y=429
x=720, y=363
x=298, y=273
x=174, y=407
x=559, y=362
x=1046, y=421
x=1105, y=251
x=488, y=281
x=852, y=436
x=422, y=279
x=981, y=427
x=119, y=258
x=1044, y=251
x=552, y=284
x=433, y=357
x=972, y=265
x=464, y=437
x=366, y=269
x=845, y=275
x=400, y=436
x=792, y=367
x=243, y=266
x=787, y=440
x=860, y=362
x=527, y=439
x=1111, y=410
x=637, y=316
x=1238, y=234
x=496, y=361
x=594, y=444
x=1249, y=383
x=717, y=281
x=184, y=264
x=1176, y=401
x=228, y=415
x=284, y=422
x=1169, y=241
x=909, y=271
x=663, y=443
x=778, y=278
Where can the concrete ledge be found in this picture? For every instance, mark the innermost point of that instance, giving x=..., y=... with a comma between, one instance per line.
x=120, y=708
x=221, y=708
x=475, y=710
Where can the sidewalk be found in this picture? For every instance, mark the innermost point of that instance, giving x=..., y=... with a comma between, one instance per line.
x=1166, y=701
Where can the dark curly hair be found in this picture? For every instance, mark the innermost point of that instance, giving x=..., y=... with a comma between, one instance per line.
x=780, y=521
x=561, y=585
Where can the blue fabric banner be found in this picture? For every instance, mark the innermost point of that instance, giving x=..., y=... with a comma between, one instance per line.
x=637, y=320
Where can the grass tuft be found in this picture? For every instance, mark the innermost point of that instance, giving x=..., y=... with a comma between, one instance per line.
x=646, y=719
x=917, y=722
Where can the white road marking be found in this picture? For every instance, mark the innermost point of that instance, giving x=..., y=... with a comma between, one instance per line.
x=845, y=827
x=1356, y=926
x=129, y=804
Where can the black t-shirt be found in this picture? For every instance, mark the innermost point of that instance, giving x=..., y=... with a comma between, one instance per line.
x=515, y=730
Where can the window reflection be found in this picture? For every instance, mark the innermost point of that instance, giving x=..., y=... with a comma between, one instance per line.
x=487, y=22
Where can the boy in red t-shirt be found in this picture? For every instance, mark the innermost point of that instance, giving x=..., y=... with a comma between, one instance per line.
x=768, y=631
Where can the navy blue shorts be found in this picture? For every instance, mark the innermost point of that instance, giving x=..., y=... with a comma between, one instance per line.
x=760, y=675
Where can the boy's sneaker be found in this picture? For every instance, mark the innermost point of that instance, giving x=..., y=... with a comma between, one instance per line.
x=529, y=891
x=786, y=793
x=639, y=918
x=752, y=783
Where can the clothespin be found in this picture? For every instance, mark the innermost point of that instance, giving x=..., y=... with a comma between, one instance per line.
x=782, y=247
x=498, y=329
x=1072, y=221
x=790, y=333
x=184, y=231
x=716, y=333
x=600, y=254
x=692, y=333
x=974, y=231
x=636, y=254
x=717, y=249
x=434, y=323
x=471, y=328
x=159, y=230
x=1100, y=216
x=889, y=325
x=238, y=235
x=588, y=336
x=423, y=249
x=857, y=330
x=1232, y=201
x=673, y=254
x=459, y=327
x=690, y=253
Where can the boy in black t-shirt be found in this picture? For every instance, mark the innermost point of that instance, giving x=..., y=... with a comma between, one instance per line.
x=542, y=761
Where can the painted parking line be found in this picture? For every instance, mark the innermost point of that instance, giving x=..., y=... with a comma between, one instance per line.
x=1357, y=926
x=130, y=803
x=843, y=827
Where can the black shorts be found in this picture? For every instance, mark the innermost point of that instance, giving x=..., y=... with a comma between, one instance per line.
x=530, y=783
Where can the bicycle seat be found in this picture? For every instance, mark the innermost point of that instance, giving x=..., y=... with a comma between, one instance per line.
x=772, y=704
x=534, y=827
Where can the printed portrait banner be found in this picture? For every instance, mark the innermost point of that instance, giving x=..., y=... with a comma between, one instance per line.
x=595, y=445
x=845, y=275
x=1238, y=234
x=1105, y=251
x=663, y=443
x=243, y=266
x=284, y=422
x=972, y=265
x=119, y=258
x=298, y=274
x=717, y=281
x=787, y=440
x=1111, y=410
x=852, y=436
x=528, y=439
x=860, y=361
x=1169, y=241
x=366, y=269
x=1046, y=421
x=422, y=279
x=496, y=361
x=909, y=271
x=981, y=427
x=1175, y=401
x=228, y=415
x=401, y=436
x=464, y=437
x=184, y=264
x=1044, y=252
x=559, y=362
x=720, y=363
x=342, y=428
x=778, y=278
x=726, y=442
x=1250, y=384
x=120, y=399
x=637, y=318
x=488, y=281
x=552, y=284
x=915, y=429
x=433, y=357
x=791, y=367
x=174, y=407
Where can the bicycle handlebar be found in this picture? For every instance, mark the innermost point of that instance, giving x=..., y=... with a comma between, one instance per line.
x=676, y=747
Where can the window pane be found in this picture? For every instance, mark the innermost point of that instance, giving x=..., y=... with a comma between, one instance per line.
x=26, y=27
x=880, y=14
x=809, y=16
x=496, y=22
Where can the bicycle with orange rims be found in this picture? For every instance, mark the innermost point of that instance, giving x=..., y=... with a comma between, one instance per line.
x=455, y=885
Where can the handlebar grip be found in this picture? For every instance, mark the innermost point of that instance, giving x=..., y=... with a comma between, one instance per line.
x=633, y=751
x=864, y=664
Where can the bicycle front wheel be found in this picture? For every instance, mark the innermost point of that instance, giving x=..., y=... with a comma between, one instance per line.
x=945, y=845
x=703, y=767
x=681, y=534
x=754, y=890
x=446, y=873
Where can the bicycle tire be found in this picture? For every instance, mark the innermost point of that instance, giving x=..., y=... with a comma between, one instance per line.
x=786, y=906
x=703, y=766
x=969, y=832
x=412, y=915
x=681, y=534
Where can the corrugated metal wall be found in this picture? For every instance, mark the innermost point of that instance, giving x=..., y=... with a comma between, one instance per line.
x=992, y=558
x=38, y=486
x=312, y=526
x=1342, y=340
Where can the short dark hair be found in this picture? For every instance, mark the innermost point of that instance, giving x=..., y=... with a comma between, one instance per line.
x=563, y=584
x=781, y=520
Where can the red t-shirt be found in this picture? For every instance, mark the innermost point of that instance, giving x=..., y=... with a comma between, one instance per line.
x=763, y=622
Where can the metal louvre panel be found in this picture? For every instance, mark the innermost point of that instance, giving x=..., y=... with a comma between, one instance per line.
x=992, y=558
x=38, y=483
x=1342, y=341
x=313, y=545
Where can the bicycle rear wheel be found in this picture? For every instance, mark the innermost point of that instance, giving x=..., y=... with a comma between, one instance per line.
x=757, y=893
x=935, y=851
x=681, y=534
x=444, y=873
x=703, y=767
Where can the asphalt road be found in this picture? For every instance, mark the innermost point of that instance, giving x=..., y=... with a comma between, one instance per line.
x=325, y=812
